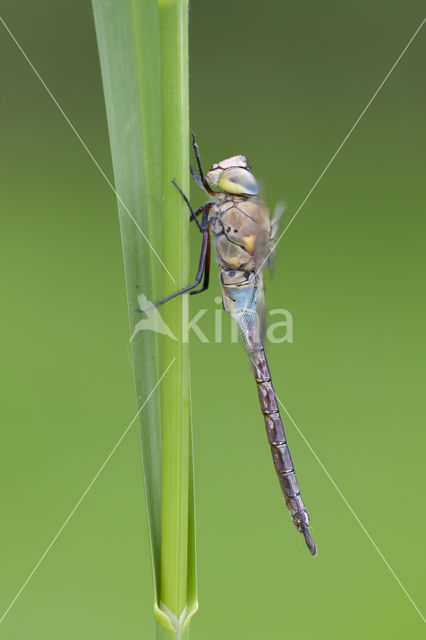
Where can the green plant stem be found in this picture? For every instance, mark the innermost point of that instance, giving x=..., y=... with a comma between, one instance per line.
x=176, y=455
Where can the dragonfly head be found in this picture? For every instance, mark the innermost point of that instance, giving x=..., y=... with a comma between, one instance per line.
x=233, y=176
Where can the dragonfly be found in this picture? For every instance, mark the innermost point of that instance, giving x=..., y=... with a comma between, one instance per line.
x=243, y=232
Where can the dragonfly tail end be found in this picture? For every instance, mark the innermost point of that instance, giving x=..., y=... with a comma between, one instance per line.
x=309, y=541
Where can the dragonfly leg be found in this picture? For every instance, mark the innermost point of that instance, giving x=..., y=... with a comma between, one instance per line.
x=194, y=214
x=202, y=178
x=196, y=176
x=205, y=251
x=206, y=270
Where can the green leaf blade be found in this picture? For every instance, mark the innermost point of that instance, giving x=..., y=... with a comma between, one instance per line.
x=128, y=42
x=143, y=49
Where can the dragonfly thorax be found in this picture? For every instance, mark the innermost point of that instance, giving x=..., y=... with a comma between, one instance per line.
x=242, y=228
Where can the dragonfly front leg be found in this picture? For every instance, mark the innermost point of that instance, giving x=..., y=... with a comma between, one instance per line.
x=194, y=214
x=201, y=179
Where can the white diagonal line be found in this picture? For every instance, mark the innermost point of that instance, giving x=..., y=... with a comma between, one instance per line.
x=83, y=495
x=80, y=139
x=353, y=512
x=344, y=140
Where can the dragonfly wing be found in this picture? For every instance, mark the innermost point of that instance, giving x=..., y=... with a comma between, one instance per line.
x=261, y=307
x=251, y=319
x=279, y=210
x=240, y=300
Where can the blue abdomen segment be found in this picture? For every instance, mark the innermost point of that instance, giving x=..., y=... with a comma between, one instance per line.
x=241, y=303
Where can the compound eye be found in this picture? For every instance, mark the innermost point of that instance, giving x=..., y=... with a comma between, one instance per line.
x=239, y=181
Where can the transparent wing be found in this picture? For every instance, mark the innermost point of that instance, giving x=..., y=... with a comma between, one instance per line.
x=251, y=316
x=279, y=210
x=261, y=307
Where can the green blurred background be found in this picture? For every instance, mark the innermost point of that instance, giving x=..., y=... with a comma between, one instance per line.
x=282, y=83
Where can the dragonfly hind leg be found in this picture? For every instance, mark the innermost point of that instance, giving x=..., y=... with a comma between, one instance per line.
x=203, y=225
x=203, y=264
x=206, y=270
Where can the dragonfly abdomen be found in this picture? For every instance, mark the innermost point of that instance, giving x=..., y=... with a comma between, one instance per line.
x=279, y=448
